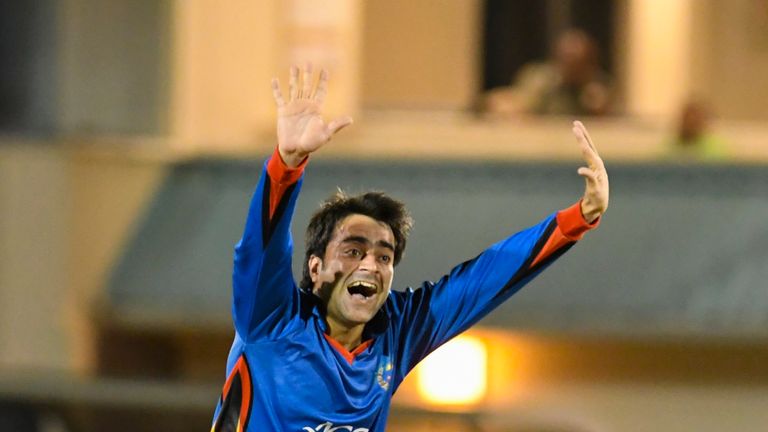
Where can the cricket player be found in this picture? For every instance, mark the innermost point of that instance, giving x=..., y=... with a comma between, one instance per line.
x=328, y=353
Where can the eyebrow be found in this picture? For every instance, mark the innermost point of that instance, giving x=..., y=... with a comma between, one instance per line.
x=363, y=240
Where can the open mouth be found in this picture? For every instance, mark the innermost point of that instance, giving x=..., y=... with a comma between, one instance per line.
x=362, y=289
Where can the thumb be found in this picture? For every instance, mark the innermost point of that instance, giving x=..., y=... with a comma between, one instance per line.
x=339, y=124
x=588, y=174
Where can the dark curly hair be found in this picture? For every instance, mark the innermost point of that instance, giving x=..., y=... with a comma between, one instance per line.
x=376, y=205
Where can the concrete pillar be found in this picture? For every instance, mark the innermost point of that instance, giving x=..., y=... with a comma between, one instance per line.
x=659, y=56
x=225, y=54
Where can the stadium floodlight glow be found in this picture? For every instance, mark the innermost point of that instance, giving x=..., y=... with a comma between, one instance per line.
x=454, y=374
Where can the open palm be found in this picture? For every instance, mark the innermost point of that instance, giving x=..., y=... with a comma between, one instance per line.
x=301, y=129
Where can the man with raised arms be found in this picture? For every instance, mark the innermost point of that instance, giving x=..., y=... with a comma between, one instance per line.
x=329, y=353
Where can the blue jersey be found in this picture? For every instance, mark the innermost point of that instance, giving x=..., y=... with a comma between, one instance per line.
x=284, y=372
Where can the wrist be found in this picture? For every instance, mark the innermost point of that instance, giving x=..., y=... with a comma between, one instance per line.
x=281, y=173
x=292, y=159
x=588, y=212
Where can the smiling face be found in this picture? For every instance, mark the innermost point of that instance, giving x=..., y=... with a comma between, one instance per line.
x=355, y=275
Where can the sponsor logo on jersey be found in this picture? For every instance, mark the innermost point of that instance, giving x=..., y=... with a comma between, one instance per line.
x=329, y=427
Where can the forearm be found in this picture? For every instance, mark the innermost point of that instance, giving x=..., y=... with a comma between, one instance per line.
x=474, y=288
x=571, y=226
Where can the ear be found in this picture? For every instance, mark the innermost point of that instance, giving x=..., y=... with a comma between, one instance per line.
x=315, y=264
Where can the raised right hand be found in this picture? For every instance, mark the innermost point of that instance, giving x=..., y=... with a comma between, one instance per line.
x=301, y=129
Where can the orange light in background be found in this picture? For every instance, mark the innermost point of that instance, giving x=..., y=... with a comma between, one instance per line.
x=455, y=374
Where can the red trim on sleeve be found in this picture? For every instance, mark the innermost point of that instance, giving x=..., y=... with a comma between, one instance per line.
x=281, y=177
x=348, y=356
x=555, y=242
x=572, y=223
x=242, y=371
x=571, y=227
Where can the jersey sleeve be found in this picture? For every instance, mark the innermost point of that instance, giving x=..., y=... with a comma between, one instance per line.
x=427, y=317
x=265, y=295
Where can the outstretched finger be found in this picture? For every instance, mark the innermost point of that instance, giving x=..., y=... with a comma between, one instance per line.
x=588, y=174
x=293, y=83
x=322, y=87
x=339, y=124
x=276, y=93
x=587, y=149
x=306, y=81
x=583, y=128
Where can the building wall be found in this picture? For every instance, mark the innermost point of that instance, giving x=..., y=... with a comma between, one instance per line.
x=108, y=194
x=34, y=261
x=427, y=55
x=423, y=54
x=735, y=48
x=64, y=218
x=221, y=63
x=199, y=71
x=707, y=49
x=114, y=68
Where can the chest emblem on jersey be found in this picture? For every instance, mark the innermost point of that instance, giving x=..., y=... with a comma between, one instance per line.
x=384, y=373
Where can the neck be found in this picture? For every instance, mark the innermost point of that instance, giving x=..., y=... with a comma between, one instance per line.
x=348, y=337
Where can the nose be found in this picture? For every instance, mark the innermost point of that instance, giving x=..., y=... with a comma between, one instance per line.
x=368, y=263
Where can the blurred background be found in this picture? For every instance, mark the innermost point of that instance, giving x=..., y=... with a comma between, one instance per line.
x=132, y=133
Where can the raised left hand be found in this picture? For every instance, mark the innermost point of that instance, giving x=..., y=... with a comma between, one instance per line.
x=595, y=200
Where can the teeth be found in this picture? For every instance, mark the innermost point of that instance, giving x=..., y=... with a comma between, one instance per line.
x=364, y=289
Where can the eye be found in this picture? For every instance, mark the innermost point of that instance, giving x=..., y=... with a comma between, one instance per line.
x=385, y=259
x=353, y=253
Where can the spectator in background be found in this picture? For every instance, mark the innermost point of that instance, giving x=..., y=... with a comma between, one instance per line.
x=570, y=83
x=693, y=140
